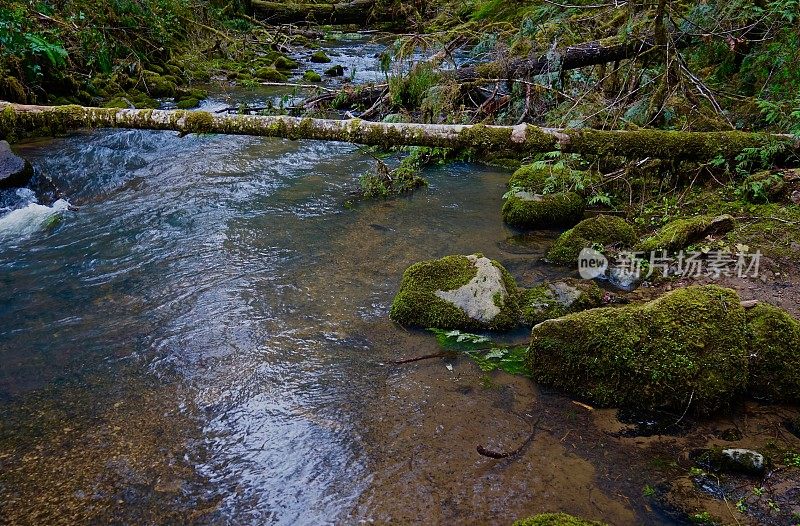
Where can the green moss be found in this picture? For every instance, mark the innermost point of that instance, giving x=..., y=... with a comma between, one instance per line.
x=270, y=74
x=528, y=210
x=285, y=63
x=555, y=519
x=416, y=304
x=553, y=300
x=198, y=122
x=320, y=57
x=598, y=230
x=312, y=76
x=661, y=144
x=537, y=179
x=774, y=348
x=680, y=233
x=158, y=85
x=117, y=102
x=185, y=104
x=685, y=348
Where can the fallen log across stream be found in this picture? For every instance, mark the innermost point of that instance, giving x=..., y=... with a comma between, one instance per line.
x=18, y=120
x=353, y=12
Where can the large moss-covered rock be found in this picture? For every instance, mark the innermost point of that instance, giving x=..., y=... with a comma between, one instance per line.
x=684, y=349
x=774, y=347
x=555, y=519
x=270, y=74
x=598, y=230
x=538, y=179
x=320, y=57
x=457, y=292
x=555, y=299
x=680, y=233
x=524, y=209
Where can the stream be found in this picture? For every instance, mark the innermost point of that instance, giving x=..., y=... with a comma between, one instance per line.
x=206, y=339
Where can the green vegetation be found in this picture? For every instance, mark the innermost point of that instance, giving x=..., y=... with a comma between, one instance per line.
x=596, y=232
x=680, y=233
x=685, y=349
x=774, y=345
x=555, y=519
x=489, y=356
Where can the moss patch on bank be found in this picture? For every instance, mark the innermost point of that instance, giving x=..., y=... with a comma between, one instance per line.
x=597, y=232
x=774, y=347
x=556, y=519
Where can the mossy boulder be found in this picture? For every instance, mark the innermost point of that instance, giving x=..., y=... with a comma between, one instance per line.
x=684, y=349
x=598, y=230
x=335, y=71
x=320, y=57
x=188, y=103
x=457, y=292
x=312, y=76
x=681, y=233
x=536, y=178
x=733, y=460
x=159, y=85
x=118, y=102
x=270, y=74
x=555, y=299
x=555, y=519
x=285, y=63
x=774, y=348
x=525, y=209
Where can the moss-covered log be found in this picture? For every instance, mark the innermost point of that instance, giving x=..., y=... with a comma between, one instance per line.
x=354, y=12
x=18, y=120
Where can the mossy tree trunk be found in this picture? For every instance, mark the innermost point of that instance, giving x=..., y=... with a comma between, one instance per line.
x=352, y=12
x=17, y=120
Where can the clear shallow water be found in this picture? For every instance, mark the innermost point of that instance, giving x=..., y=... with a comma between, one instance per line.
x=205, y=340
x=230, y=269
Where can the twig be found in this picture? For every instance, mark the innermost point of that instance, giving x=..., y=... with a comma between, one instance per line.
x=506, y=454
x=423, y=357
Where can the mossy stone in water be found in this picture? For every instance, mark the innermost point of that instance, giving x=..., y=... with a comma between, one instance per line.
x=680, y=233
x=335, y=71
x=598, y=230
x=185, y=104
x=320, y=57
x=556, y=299
x=312, y=76
x=555, y=519
x=457, y=292
x=684, y=349
x=270, y=74
x=774, y=348
x=524, y=209
x=285, y=63
x=537, y=178
x=158, y=85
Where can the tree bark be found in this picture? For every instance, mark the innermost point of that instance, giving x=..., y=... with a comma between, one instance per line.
x=353, y=12
x=17, y=120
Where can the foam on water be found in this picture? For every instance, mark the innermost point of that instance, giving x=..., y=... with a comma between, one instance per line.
x=23, y=222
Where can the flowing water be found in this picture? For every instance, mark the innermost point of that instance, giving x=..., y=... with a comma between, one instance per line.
x=205, y=339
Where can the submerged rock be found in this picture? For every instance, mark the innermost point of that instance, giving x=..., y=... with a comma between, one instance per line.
x=14, y=170
x=553, y=300
x=774, y=347
x=599, y=230
x=335, y=71
x=681, y=233
x=525, y=209
x=555, y=519
x=734, y=460
x=686, y=349
x=457, y=292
